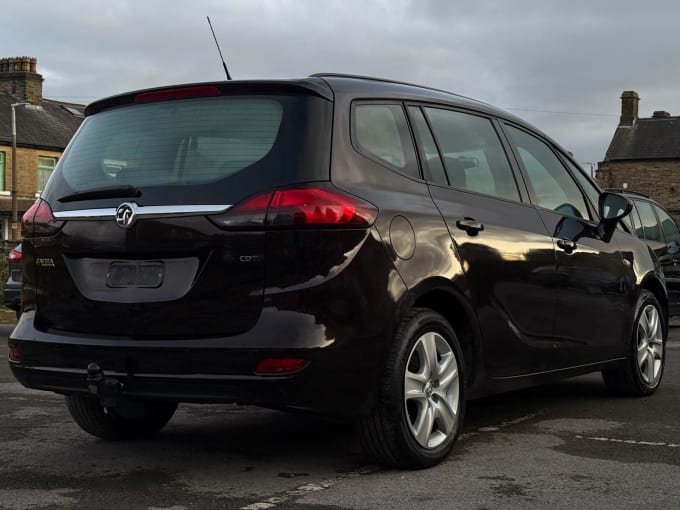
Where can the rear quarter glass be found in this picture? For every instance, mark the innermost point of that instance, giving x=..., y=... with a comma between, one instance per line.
x=215, y=150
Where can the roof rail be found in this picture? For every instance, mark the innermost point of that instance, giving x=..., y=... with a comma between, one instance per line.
x=396, y=82
x=621, y=190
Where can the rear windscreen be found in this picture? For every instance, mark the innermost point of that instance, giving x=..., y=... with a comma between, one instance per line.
x=207, y=150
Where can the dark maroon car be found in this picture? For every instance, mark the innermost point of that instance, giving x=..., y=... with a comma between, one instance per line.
x=336, y=244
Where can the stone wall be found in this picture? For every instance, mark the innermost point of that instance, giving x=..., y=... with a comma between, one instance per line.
x=659, y=179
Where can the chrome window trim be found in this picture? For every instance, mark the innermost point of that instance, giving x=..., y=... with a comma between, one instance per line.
x=151, y=211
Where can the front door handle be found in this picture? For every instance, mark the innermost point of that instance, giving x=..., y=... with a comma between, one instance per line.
x=470, y=225
x=567, y=245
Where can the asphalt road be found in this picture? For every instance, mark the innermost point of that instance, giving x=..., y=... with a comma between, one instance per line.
x=563, y=446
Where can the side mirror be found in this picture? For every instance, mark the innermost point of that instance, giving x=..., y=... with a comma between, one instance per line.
x=613, y=207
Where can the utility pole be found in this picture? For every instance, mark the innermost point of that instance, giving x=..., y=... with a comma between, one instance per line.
x=15, y=213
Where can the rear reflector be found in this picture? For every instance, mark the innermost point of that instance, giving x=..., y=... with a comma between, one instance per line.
x=39, y=221
x=317, y=205
x=14, y=355
x=14, y=256
x=177, y=93
x=280, y=366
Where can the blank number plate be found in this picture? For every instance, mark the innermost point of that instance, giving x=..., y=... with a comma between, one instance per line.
x=140, y=274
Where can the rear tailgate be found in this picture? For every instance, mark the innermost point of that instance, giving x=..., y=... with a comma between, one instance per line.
x=169, y=165
x=174, y=277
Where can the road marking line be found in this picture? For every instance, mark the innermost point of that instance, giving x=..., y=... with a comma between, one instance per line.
x=629, y=441
x=502, y=425
x=302, y=490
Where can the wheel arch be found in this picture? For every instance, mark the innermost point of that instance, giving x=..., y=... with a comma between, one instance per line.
x=652, y=283
x=445, y=298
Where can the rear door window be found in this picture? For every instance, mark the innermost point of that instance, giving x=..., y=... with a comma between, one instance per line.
x=474, y=158
x=380, y=131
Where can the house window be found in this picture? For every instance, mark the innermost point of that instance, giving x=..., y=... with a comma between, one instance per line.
x=45, y=167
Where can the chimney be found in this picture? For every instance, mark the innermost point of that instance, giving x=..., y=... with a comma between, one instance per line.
x=660, y=114
x=18, y=78
x=629, y=108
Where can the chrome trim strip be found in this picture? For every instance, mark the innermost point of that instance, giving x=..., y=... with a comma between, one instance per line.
x=150, y=211
x=85, y=214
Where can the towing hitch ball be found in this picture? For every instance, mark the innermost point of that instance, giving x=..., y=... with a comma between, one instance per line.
x=107, y=389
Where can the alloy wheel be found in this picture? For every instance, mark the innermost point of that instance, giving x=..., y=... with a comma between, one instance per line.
x=650, y=345
x=431, y=390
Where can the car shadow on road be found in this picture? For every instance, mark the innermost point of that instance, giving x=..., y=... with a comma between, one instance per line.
x=257, y=433
x=583, y=393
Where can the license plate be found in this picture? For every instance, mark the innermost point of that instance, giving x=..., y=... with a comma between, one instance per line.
x=140, y=274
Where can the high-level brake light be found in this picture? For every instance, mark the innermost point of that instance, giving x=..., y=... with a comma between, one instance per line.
x=177, y=93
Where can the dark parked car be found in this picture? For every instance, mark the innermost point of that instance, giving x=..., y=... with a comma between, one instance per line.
x=335, y=244
x=13, y=283
x=654, y=225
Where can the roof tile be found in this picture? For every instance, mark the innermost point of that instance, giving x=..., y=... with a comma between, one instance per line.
x=50, y=127
x=650, y=138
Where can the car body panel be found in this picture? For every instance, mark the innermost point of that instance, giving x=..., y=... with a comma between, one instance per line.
x=334, y=297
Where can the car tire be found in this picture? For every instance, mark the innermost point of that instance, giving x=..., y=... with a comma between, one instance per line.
x=640, y=374
x=419, y=410
x=110, y=423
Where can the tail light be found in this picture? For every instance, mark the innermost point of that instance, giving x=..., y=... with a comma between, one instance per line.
x=14, y=256
x=39, y=221
x=318, y=205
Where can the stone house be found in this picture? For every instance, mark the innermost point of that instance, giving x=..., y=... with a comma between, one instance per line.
x=644, y=155
x=43, y=128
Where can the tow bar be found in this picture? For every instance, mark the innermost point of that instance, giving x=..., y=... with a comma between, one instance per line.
x=107, y=389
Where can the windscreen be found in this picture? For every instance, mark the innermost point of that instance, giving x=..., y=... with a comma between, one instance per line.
x=207, y=150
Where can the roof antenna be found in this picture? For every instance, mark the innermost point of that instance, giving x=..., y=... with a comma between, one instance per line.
x=218, y=49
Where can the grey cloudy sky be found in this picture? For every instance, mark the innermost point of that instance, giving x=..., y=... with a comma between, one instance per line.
x=550, y=55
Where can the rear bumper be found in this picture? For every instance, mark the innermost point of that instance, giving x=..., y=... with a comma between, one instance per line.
x=336, y=307
x=277, y=392
x=338, y=379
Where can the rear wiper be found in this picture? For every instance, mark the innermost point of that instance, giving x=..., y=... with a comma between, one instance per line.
x=107, y=192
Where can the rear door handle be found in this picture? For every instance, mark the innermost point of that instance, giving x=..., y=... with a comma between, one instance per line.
x=470, y=225
x=567, y=245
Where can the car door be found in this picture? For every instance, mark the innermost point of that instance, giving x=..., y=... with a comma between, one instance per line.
x=592, y=296
x=505, y=250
